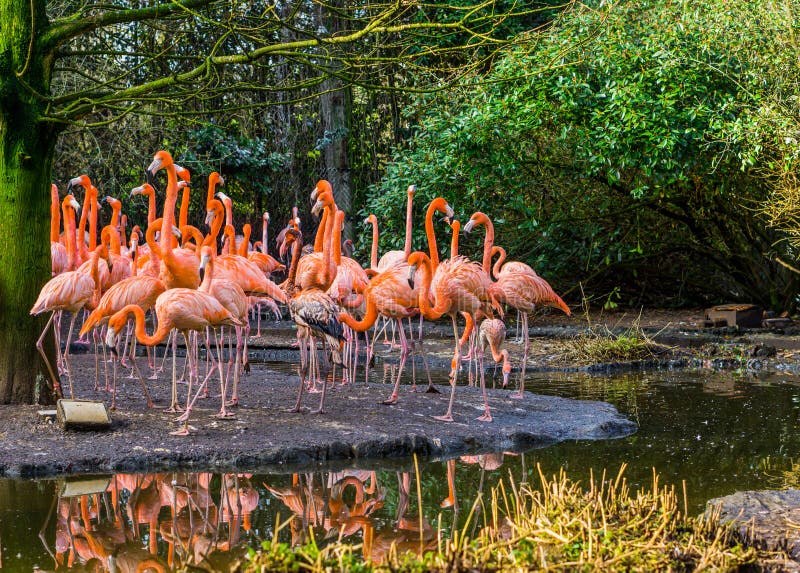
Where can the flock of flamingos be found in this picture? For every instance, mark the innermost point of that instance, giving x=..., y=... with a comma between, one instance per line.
x=197, y=289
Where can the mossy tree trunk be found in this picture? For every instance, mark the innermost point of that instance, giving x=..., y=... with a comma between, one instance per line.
x=26, y=156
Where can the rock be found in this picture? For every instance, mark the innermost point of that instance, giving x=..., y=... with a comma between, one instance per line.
x=766, y=520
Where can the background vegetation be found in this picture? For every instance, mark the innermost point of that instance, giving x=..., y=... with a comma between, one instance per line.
x=646, y=149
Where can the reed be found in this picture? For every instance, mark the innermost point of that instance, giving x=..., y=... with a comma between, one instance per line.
x=557, y=524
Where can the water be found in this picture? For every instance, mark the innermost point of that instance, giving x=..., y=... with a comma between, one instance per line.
x=718, y=432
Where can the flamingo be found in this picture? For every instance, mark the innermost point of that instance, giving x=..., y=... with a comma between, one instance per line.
x=70, y=291
x=315, y=314
x=459, y=286
x=177, y=269
x=181, y=309
x=517, y=285
x=141, y=290
x=233, y=298
x=318, y=270
x=492, y=333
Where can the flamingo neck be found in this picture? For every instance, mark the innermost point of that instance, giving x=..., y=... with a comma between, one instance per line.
x=110, y=238
x=337, y=238
x=151, y=207
x=365, y=323
x=150, y=238
x=55, y=214
x=319, y=239
x=429, y=232
x=205, y=286
x=69, y=236
x=81, y=237
x=123, y=236
x=246, y=231
x=183, y=218
x=456, y=226
x=373, y=262
x=265, y=236
x=409, y=222
x=297, y=246
x=93, y=220
x=428, y=312
x=159, y=335
x=488, y=243
x=329, y=263
x=168, y=215
x=499, y=263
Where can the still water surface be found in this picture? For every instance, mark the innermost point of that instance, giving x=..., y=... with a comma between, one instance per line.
x=718, y=432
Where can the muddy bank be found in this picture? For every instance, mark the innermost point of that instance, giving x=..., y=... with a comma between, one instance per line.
x=356, y=427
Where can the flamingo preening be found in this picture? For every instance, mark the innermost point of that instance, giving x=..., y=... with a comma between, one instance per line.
x=516, y=285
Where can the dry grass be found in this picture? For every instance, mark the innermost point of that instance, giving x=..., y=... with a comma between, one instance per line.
x=601, y=344
x=560, y=525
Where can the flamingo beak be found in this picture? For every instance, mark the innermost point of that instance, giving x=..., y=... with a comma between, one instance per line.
x=221, y=182
x=153, y=168
x=469, y=226
x=209, y=218
x=316, y=208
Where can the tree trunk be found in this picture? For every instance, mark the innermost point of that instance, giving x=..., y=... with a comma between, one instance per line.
x=334, y=107
x=24, y=265
x=26, y=157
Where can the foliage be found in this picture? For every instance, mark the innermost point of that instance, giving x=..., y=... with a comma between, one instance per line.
x=611, y=147
x=559, y=524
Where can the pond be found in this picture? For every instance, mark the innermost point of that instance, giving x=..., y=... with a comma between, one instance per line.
x=718, y=432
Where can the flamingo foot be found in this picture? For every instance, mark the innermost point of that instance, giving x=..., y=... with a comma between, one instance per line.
x=232, y=402
x=299, y=410
x=313, y=390
x=183, y=431
x=224, y=415
x=318, y=411
x=516, y=396
x=185, y=416
x=487, y=417
x=174, y=409
x=445, y=418
x=390, y=400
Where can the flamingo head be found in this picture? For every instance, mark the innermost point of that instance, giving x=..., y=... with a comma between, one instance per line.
x=371, y=220
x=441, y=205
x=477, y=218
x=145, y=189
x=183, y=173
x=183, y=185
x=71, y=202
x=324, y=199
x=411, y=190
x=161, y=160
x=80, y=181
x=321, y=187
x=290, y=237
x=206, y=256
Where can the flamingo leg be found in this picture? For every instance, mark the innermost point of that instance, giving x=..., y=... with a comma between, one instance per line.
x=404, y=351
x=174, y=407
x=487, y=416
x=53, y=377
x=66, y=354
x=521, y=392
x=321, y=409
x=448, y=417
x=303, y=370
x=135, y=369
x=114, y=387
x=234, y=401
x=223, y=413
x=184, y=431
